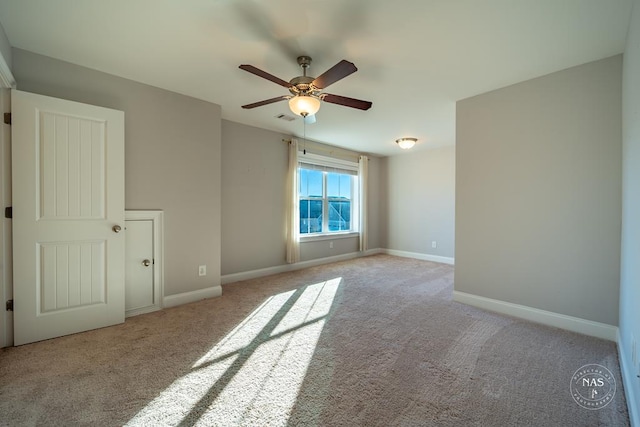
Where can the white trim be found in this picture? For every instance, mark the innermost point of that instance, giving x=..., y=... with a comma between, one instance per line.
x=6, y=77
x=628, y=378
x=193, y=296
x=424, y=257
x=157, y=218
x=141, y=310
x=328, y=236
x=575, y=324
x=6, y=248
x=331, y=162
x=373, y=251
x=263, y=272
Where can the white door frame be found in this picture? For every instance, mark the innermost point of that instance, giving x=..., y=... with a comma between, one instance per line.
x=157, y=219
x=6, y=262
x=7, y=81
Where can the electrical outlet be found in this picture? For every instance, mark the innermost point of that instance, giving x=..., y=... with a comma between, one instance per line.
x=434, y=244
x=330, y=245
x=202, y=270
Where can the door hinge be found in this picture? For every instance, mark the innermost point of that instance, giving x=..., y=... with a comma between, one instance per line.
x=10, y=305
x=7, y=118
x=8, y=212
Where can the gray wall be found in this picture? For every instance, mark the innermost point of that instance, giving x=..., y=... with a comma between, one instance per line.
x=630, y=266
x=538, y=192
x=172, y=152
x=254, y=168
x=419, y=202
x=5, y=48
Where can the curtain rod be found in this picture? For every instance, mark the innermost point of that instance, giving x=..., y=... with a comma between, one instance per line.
x=316, y=148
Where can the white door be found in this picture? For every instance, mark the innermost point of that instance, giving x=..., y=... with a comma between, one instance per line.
x=68, y=209
x=139, y=283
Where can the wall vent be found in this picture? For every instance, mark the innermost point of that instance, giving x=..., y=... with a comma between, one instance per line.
x=285, y=117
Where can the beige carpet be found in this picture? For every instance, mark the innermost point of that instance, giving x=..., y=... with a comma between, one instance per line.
x=375, y=341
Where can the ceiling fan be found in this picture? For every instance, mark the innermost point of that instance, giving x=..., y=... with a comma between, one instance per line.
x=306, y=91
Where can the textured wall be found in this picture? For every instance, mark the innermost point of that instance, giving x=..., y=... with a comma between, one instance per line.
x=5, y=48
x=538, y=192
x=254, y=168
x=420, y=202
x=172, y=158
x=630, y=266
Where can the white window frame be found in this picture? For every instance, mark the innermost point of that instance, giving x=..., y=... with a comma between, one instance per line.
x=338, y=165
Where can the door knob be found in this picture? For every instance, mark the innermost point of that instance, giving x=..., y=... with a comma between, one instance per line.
x=116, y=228
x=146, y=263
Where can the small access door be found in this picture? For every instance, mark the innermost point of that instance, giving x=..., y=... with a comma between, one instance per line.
x=143, y=262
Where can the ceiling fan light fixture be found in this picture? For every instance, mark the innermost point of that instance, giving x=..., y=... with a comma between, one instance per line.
x=304, y=105
x=406, y=143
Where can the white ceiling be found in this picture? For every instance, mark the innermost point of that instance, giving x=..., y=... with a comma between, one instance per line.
x=415, y=58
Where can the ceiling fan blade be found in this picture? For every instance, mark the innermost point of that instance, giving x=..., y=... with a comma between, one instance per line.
x=339, y=71
x=347, y=102
x=258, y=72
x=265, y=102
x=266, y=25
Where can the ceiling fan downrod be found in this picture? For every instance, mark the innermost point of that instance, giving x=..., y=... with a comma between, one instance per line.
x=301, y=85
x=305, y=62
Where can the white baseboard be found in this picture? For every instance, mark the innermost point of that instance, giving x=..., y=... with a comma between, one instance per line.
x=254, y=274
x=141, y=310
x=575, y=324
x=416, y=255
x=629, y=378
x=193, y=296
x=263, y=272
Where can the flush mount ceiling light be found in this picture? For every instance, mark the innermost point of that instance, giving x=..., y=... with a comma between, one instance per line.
x=304, y=105
x=406, y=143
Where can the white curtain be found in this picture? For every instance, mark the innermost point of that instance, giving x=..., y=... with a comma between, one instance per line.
x=292, y=211
x=363, y=176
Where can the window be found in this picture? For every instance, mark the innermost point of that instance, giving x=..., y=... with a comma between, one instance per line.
x=327, y=195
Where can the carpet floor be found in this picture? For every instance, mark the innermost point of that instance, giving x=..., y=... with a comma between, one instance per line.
x=374, y=341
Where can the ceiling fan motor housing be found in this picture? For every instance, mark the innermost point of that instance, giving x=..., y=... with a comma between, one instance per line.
x=301, y=85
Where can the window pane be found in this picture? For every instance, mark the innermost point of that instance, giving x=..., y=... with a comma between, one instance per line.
x=338, y=185
x=310, y=216
x=339, y=215
x=310, y=183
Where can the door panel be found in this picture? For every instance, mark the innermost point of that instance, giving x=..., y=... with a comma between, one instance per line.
x=72, y=275
x=68, y=193
x=72, y=167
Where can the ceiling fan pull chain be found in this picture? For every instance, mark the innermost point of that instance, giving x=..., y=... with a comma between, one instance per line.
x=304, y=133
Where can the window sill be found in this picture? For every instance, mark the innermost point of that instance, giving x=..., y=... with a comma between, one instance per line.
x=328, y=236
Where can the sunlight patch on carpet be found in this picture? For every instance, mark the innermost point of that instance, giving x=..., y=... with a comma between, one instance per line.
x=253, y=375
x=247, y=331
